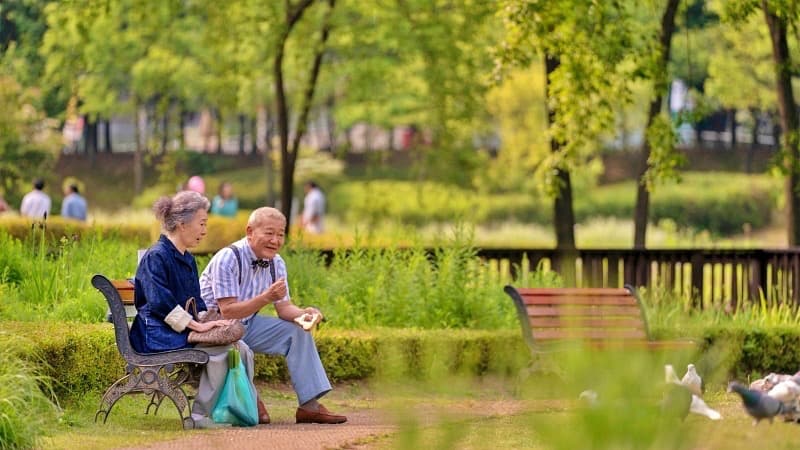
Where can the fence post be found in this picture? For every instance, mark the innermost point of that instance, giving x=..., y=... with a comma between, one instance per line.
x=697, y=261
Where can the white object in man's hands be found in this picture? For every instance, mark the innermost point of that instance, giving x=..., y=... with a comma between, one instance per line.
x=307, y=320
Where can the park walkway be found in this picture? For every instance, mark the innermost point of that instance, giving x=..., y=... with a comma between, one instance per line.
x=364, y=427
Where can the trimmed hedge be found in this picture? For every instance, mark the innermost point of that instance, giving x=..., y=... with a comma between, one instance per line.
x=221, y=230
x=82, y=358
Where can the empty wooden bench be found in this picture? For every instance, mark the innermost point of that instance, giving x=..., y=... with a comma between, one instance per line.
x=599, y=317
x=159, y=375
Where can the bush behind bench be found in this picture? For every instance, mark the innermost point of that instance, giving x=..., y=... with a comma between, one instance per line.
x=83, y=358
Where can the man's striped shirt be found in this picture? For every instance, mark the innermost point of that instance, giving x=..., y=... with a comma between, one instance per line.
x=220, y=279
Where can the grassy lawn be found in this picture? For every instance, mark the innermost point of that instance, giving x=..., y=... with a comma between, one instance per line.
x=457, y=413
x=562, y=425
x=129, y=426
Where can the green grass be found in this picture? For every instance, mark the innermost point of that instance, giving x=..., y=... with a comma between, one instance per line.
x=734, y=432
x=26, y=408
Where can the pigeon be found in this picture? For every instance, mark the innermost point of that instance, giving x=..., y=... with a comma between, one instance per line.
x=698, y=406
x=775, y=378
x=786, y=391
x=670, y=376
x=760, y=385
x=588, y=397
x=757, y=404
x=693, y=381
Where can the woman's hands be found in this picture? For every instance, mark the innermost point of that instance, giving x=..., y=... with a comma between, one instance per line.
x=205, y=326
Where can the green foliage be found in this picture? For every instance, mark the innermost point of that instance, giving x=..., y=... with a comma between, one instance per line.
x=664, y=161
x=713, y=202
x=83, y=358
x=363, y=287
x=28, y=142
x=418, y=203
x=718, y=202
x=54, y=279
x=367, y=287
x=26, y=409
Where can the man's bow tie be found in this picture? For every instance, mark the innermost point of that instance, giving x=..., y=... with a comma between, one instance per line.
x=260, y=263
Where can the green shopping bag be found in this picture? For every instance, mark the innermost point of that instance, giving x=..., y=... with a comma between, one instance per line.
x=236, y=404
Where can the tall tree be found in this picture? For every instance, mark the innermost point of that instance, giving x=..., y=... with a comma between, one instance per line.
x=584, y=46
x=655, y=128
x=780, y=16
x=289, y=149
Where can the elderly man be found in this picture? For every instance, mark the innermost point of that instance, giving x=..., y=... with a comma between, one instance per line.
x=249, y=275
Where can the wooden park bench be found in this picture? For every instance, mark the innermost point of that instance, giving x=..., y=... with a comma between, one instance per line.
x=599, y=317
x=159, y=375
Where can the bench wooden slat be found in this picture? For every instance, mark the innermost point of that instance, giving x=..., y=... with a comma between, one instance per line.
x=605, y=334
x=582, y=300
x=575, y=292
x=556, y=322
x=125, y=289
x=553, y=311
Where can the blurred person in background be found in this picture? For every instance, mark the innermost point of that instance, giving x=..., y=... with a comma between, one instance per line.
x=74, y=205
x=3, y=205
x=196, y=184
x=313, y=208
x=224, y=203
x=36, y=204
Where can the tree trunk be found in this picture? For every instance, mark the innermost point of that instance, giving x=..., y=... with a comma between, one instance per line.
x=563, y=215
x=220, y=121
x=331, y=125
x=253, y=136
x=242, y=132
x=164, y=131
x=642, y=209
x=269, y=168
x=789, y=118
x=107, y=135
x=90, y=137
x=289, y=152
x=751, y=149
x=137, y=153
x=732, y=127
x=182, y=127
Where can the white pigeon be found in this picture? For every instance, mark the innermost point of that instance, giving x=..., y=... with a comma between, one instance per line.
x=693, y=381
x=670, y=376
x=760, y=385
x=786, y=391
x=589, y=397
x=698, y=406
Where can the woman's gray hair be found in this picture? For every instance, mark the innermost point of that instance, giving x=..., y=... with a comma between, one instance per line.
x=178, y=209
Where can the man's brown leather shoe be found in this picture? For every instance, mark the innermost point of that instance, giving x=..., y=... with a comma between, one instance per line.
x=263, y=416
x=321, y=416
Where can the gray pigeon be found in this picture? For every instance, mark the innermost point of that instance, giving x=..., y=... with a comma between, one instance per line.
x=758, y=404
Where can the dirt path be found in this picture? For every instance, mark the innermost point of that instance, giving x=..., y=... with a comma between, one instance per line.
x=363, y=426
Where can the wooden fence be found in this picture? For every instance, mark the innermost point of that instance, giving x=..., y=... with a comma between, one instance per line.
x=707, y=275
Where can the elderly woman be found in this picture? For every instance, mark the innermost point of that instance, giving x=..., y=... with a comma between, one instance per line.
x=167, y=276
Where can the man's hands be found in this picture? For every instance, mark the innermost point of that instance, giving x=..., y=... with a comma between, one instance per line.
x=277, y=291
x=309, y=318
